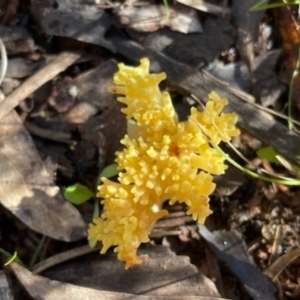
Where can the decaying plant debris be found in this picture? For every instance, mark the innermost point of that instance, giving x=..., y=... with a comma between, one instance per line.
x=60, y=125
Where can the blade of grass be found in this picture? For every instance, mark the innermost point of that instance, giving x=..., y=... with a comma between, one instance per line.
x=37, y=251
x=264, y=5
x=166, y=4
x=290, y=100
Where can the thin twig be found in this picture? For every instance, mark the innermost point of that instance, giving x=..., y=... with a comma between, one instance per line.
x=62, y=257
x=59, y=64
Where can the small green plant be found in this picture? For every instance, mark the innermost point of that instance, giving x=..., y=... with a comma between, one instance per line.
x=78, y=193
x=11, y=257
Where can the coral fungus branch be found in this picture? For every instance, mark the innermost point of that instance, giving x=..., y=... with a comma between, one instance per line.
x=170, y=160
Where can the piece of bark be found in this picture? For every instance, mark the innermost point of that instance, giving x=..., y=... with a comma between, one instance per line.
x=231, y=249
x=190, y=81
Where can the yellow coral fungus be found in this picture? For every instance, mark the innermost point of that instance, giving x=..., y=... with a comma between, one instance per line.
x=170, y=160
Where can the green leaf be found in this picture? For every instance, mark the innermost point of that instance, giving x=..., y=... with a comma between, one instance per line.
x=265, y=5
x=109, y=171
x=78, y=193
x=268, y=153
x=92, y=243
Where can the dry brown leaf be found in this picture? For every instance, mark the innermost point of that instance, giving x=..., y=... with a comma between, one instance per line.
x=19, y=67
x=86, y=23
x=149, y=18
x=27, y=190
x=207, y=7
x=93, y=84
x=162, y=274
x=197, y=50
x=5, y=293
x=17, y=40
x=44, y=289
x=9, y=11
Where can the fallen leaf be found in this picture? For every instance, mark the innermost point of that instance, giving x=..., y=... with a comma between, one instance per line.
x=162, y=274
x=149, y=18
x=205, y=6
x=86, y=23
x=63, y=94
x=20, y=67
x=9, y=11
x=202, y=48
x=5, y=293
x=27, y=189
x=92, y=87
x=40, y=287
x=17, y=40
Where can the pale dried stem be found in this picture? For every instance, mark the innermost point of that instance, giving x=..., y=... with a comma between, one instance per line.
x=59, y=64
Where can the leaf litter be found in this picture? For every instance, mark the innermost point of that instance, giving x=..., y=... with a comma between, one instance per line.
x=59, y=126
